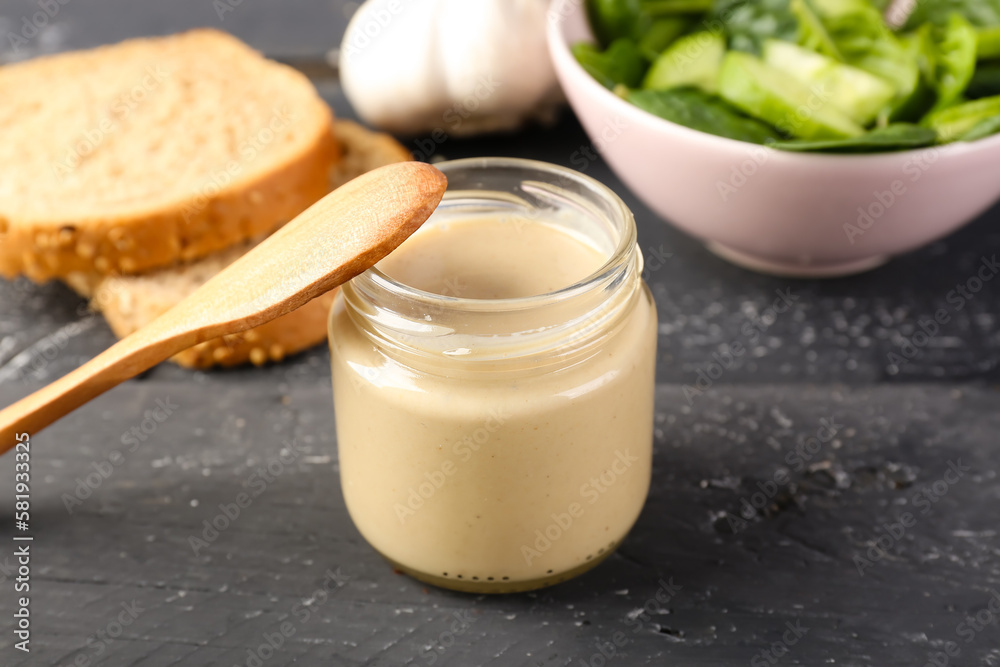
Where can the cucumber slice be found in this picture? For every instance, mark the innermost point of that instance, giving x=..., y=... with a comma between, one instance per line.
x=954, y=122
x=854, y=91
x=693, y=60
x=771, y=95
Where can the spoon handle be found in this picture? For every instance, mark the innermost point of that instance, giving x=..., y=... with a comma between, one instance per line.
x=125, y=359
x=326, y=245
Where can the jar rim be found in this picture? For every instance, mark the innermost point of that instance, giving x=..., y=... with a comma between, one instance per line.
x=621, y=254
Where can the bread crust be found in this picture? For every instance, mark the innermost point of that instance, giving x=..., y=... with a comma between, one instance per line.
x=129, y=302
x=272, y=341
x=196, y=223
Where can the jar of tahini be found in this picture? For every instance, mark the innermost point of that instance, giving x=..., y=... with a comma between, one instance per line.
x=493, y=382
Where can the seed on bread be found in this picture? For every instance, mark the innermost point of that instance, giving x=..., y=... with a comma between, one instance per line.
x=153, y=152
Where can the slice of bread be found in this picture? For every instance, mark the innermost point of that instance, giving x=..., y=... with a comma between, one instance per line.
x=139, y=155
x=129, y=302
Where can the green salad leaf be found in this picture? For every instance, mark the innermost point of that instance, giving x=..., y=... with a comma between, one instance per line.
x=661, y=34
x=978, y=12
x=984, y=128
x=814, y=33
x=749, y=23
x=615, y=19
x=805, y=75
x=955, y=122
x=620, y=64
x=673, y=7
x=699, y=110
x=862, y=39
x=894, y=137
x=955, y=59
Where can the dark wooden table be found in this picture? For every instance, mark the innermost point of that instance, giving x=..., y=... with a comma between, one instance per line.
x=880, y=547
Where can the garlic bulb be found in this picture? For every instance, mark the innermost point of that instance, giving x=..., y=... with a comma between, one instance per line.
x=455, y=66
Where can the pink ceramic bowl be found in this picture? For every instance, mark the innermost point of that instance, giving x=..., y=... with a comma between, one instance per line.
x=772, y=211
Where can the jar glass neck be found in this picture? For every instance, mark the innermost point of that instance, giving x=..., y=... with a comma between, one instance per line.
x=435, y=330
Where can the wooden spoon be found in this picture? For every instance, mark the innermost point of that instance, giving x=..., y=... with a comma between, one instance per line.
x=334, y=240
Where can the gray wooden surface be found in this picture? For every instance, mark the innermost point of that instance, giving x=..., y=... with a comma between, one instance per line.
x=809, y=557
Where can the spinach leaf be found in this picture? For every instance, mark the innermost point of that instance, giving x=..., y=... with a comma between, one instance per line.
x=920, y=47
x=614, y=19
x=700, y=111
x=984, y=128
x=749, y=23
x=894, y=137
x=661, y=34
x=642, y=20
x=954, y=122
x=813, y=32
x=978, y=12
x=672, y=7
x=955, y=60
x=622, y=63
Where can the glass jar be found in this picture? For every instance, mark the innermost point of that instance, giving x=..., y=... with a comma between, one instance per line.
x=500, y=445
